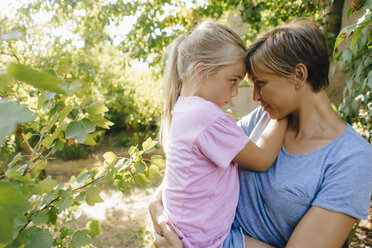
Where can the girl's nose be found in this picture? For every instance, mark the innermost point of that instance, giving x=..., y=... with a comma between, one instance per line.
x=256, y=94
x=234, y=92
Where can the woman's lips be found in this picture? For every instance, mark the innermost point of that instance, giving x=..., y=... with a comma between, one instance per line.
x=266, y=107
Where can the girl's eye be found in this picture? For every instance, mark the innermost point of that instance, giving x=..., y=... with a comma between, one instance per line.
x=233, y=82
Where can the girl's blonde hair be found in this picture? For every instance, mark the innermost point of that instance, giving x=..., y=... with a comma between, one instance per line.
x=209, y=43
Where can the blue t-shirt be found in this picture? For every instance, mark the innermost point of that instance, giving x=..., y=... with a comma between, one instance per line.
x=337, y=177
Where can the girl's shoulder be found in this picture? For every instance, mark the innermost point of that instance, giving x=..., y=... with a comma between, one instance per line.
x=197, y=109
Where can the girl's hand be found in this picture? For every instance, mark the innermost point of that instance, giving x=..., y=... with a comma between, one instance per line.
x=163, y=234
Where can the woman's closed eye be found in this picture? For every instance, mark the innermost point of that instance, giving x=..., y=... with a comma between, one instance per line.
x=258, y=83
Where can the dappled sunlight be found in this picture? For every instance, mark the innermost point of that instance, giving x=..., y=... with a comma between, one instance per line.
x=124, y=218
x=133, y=206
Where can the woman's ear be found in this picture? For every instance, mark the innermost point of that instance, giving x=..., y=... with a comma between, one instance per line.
x=301, y=73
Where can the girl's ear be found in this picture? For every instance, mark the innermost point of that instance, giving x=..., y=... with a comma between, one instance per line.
x=301, y=74
x=199, y=68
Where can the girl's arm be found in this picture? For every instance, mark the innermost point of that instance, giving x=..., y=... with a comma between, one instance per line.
x=260, y=156
x=321, y=228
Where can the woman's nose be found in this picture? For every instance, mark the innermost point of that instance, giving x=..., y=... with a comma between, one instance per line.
x=256, y=94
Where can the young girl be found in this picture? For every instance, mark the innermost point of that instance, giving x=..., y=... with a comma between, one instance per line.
x=202, y=143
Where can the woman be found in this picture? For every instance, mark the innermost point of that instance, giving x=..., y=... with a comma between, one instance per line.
x=321, y=181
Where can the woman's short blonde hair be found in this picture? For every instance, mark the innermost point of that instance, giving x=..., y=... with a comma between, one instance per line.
x=281, y=49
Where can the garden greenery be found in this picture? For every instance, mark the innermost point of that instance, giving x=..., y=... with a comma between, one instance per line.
x=59, y=91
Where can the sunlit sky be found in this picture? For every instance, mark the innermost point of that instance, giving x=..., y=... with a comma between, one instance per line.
x=65, y=32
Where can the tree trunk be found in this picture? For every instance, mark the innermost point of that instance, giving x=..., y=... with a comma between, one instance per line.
x=24, y=144
x=332, y=21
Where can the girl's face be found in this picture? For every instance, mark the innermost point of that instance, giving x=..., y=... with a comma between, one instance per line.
x=222, y=86
x=277, y=94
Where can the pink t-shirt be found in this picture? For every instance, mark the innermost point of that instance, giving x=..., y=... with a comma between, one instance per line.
x=201, y=185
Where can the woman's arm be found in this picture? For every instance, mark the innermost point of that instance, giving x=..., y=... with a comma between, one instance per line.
x=260, y=156
x=321, y=228
x=163, y=234
x=251, y=242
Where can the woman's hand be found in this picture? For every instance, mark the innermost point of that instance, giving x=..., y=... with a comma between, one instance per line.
x=163, y=234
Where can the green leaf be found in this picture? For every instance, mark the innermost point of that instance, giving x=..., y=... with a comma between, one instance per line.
x=15, y=159
x=64, y=232
x=110, y=158
x=46, y=185
x=53, y=215
x=41, y=239
x=153, y=172
x=84, y=175
x=92, y=196
x=81, y=238
x=41, y=217
x=27, y=136
x=12, y=204
x=19, y=223
x=80, y=129
x=11, y=114
x=64, y=203
x=21, y=240
x=63, y=114
x=90, y=140
x=140, y=166
x=59, y=145
x=41, y=80
x=102, y=122
x=355, y=38
x=158, y=161
x=132, y=150
x=94, y=228
x=97, y=108
x=339, y=39
x=48, y=198
x=142, y=179
x=149, y=144
x=48, y=141
x=86, y=67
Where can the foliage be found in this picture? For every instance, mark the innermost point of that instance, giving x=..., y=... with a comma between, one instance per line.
x=264, y=15
x=32, y=209
x=356, y=61
x=78, y=77
x=134, y=105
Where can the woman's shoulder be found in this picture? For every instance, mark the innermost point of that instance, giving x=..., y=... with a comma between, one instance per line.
x=351, y=142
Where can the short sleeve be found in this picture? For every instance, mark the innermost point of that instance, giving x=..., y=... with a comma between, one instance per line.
x=221, y=141
x=347, y=186
x=249, y=122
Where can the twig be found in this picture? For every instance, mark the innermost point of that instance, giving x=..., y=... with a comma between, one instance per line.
x=36, y=147
x=55, y=199
x=50, y=152
x=11, y=48
x=98, y=178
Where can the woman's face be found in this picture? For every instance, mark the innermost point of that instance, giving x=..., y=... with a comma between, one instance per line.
x=277, y=94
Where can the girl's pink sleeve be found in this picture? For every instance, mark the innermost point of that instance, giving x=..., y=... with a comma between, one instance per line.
x=222, y=141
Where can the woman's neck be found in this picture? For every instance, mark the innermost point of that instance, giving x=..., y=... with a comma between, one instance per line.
x=314, y=124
